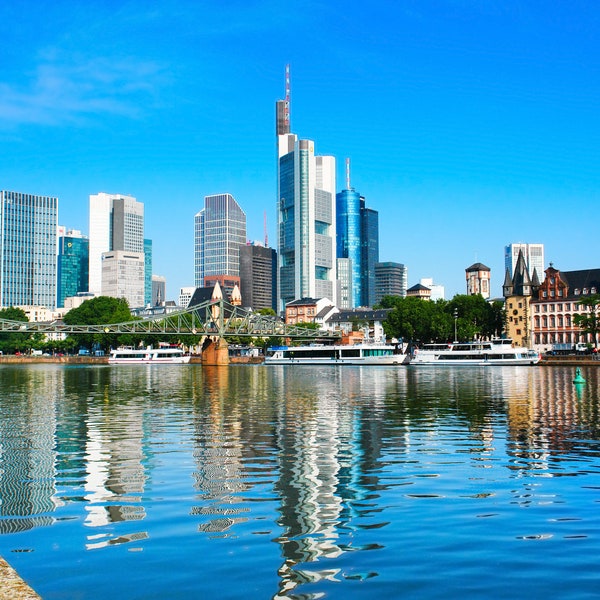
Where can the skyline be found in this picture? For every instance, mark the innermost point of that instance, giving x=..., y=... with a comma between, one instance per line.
x=469, y=125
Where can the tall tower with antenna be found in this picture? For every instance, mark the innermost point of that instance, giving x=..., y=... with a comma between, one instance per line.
x=306, y=225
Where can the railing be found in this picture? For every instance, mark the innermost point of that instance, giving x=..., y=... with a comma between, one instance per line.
x=215, y=318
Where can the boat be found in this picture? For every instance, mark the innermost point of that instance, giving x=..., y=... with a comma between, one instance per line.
x=469, y=354
x=322, y=354
x=163, y=355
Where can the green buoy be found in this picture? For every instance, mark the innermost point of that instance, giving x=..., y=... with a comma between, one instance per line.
x=578, y=377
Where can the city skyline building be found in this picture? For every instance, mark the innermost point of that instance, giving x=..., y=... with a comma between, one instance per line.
x=28, y=249
x=306, y=222
x=258, y=276
x=219, y=231
x=123, y=276
x=116, y=224
x=148, y=281
x=533, y=254
x=390, y=280
x=72, y=264
x=159, y=290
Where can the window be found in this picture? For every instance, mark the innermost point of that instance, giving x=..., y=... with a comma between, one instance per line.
x=576, y=292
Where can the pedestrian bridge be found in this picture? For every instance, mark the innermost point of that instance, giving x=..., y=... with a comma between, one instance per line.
x=213, y=318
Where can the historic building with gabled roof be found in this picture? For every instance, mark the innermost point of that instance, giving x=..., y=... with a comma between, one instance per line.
x=557, y=301
x=518, y=292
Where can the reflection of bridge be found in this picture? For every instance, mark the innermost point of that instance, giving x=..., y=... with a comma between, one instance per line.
x=214, y=318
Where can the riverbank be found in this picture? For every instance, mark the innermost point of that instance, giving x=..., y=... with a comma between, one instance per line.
x=12, y=587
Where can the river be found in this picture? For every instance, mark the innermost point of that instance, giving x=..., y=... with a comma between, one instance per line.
x=143, y=482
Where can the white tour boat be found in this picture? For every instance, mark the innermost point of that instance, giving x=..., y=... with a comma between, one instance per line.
x=167, y=355
x=470, y=354
x=321, y=354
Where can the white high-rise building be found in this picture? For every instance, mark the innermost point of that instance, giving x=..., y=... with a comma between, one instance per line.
x=306, y=209
x=533, y=255
x=117, y=225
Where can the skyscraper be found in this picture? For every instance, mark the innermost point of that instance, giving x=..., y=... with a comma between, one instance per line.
x=305, y=215
x=117, y=234
x=258, y=276
x=358, y=241
x=533, y=255
x=219, y=230
x=390, y=280
x=28, y=226
x=73, y=265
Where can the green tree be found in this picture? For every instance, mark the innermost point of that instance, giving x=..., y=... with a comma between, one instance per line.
x=11, y=342
x=589, y=321
x=102, y=310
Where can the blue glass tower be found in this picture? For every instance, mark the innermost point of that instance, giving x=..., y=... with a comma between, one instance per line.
x=73, y=266
x=358, y=240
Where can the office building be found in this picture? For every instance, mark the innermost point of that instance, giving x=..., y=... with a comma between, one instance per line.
x=390, y=280
x=123, y=276
x=357, y=230
x=258, y=276
x=28, y=249
x=117, y=228
x=185, y=295
x=532, y=253
x=148, y=277
x=344, y=283
x=306, y=221
x=438, y=292
x=219, y=230
x=159, y=290
x=73, y=264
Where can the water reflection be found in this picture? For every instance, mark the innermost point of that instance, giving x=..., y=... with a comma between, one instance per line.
x=324, y=458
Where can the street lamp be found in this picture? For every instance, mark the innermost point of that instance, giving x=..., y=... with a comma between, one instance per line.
x=455, y=320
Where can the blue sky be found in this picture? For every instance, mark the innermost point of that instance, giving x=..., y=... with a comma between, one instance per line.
x=469, y=124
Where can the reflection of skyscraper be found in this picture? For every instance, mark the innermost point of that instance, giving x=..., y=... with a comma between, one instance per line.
x=220, y=229
x=306, y=215
x=28, y=249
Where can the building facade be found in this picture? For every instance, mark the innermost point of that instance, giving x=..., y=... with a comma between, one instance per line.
x=258, y=276
x=116, y=224
x=219, y=230
x=533, y=255
x=123, y=276
x=518, y=291
x=72, y=265
x=28, y=249
x=306, y=220
x=159, y=290
x=357, y=229
x=390, y=280
x=557, y=301
x=149, y=296
x=478, y=280
x=185, y=295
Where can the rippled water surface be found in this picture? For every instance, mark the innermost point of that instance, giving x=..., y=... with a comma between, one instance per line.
x=300, y=482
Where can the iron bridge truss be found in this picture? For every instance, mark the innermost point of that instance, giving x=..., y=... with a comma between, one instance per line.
x=214, y=318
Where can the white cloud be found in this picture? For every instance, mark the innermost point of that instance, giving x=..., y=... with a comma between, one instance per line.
x=75, y=89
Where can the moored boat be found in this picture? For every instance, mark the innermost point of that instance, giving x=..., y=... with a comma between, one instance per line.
x=468, y=354
x=321, y=354
x=164, y=354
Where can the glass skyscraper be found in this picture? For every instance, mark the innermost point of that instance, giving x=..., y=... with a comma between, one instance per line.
x=219, y=229
x=28, y=248
x=73, y=265
x=305, y=216
x=532, y=253
x=358, y=241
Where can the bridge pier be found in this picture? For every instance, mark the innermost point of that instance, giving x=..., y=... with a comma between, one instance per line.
x=215, y=351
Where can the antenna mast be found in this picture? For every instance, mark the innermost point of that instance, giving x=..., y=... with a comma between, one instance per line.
x=348, y=174
x=265, y=225
x=288, y=90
